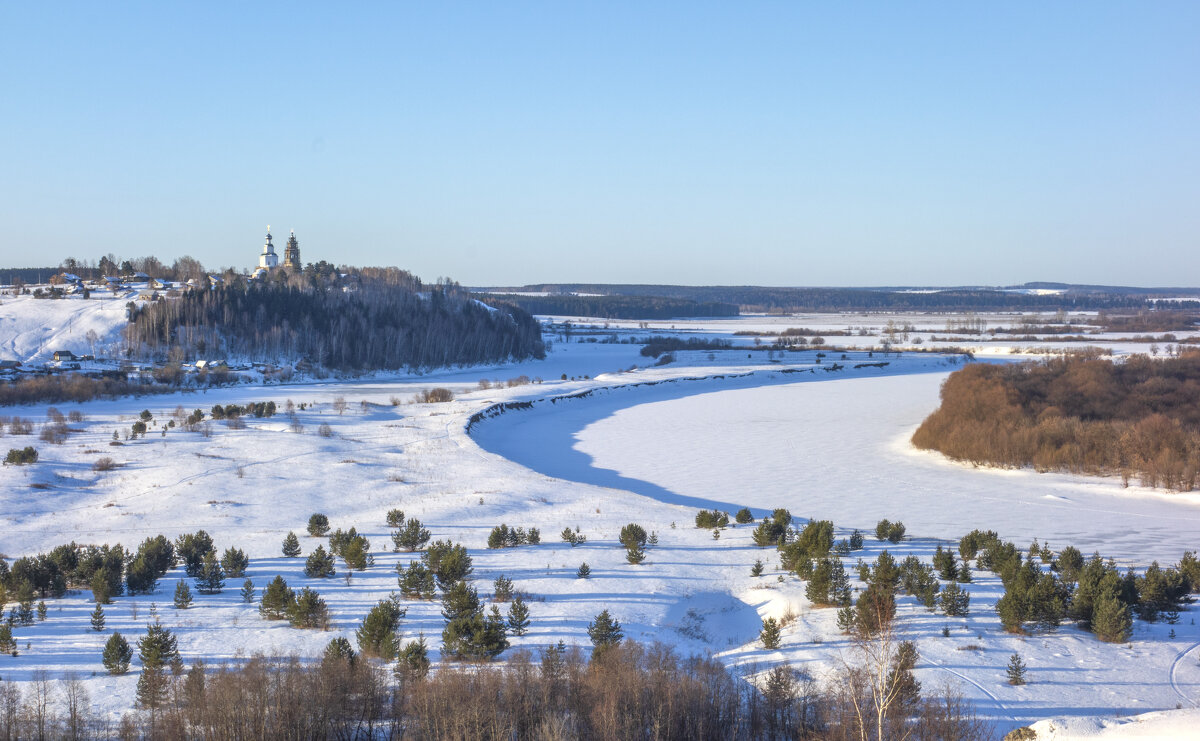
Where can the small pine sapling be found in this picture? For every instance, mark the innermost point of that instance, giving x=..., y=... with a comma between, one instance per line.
x=518, y=616
x=98, y=618
x=117, y=654
x=395, y=518
x=503, y=589
x=291, y=545
x=585, y=571
x=41, y=611
x=770, y=634
x=183, y=595
x=757, y=568
x=635, y=554
x=247, y=591
x=1015, y=670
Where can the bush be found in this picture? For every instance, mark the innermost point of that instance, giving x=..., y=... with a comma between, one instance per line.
x=743, y=516
x=21, y=456
x=709, y=519
x=104, y=464
x=435, y=396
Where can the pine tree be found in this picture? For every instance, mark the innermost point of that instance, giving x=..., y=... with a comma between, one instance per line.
x=183, y=595
x=291, y=545
x=1111, y=620
x=502, y=589
x=308, y=610
x=211, y=579
x=584, y=572
x=770, y=634
x=98, y=618
x=416, y=582
x=318, y=525
x=412, y=664
x=339, y=649
x=319, y=564
x=820, y=582
x=955, y=601
x=100, y=588
x=41, y=611
x=604, y=632
x=635, y=554
x=117, y=654
x=276, y=599
x=518, y=616
x=964, y=573
x=356, y=555
x=1015, y=670
x=468, y=631
x=24, y=611
x=157, y=650
x=411, y=537
x=378, y=636
x=247, y=591
x=757, y=568
x=235, y=563
x=395, y=518
x=8, y=644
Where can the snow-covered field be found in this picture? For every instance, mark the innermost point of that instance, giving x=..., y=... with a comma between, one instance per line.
x=723, y=429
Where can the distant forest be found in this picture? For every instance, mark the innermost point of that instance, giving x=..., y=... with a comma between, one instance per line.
x=769, y=299
x=368, y=319
x=619, y=307
x=1140, y=417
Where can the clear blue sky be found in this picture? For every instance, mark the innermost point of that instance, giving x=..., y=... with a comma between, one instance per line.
x=780, y=143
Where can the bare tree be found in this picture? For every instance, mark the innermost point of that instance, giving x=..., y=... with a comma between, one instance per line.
x=75, y=702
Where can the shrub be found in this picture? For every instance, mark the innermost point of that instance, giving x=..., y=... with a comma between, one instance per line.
x=743, y=516
x=104, y=464
x=435, y=396
x=709, y=519
x=21, y=456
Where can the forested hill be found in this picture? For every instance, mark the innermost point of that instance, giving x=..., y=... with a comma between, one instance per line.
x=618, y=307
x=769, y=298
x=370, y=320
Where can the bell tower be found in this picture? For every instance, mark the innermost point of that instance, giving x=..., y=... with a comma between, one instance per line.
x=268, y=259
x=291, y=253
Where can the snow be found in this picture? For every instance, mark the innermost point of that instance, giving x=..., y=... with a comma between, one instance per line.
x=651, y=445
x=31, y=329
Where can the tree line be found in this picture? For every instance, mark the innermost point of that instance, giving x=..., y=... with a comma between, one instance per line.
x=1140, y=417
x=370, y=321
x=619, y=307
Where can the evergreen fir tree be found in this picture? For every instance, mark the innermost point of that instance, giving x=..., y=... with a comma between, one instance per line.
x=319, y=564
x=845, y=619
x=41, y=611
x=247, y=591
x=235, y=563
x=183, y=595
x=584, y=572
x=856, y=540
x=291, y=545
x=604, y=632
x=356, y=554
x=468, y=631
x=518, y=616
x=412, y=664
x=100, y=587
x=191, y=549
x=770, y=634
x=157, y=650
x=1015, y=670
x=757, y=568
x=820, y=583
x=378, y=636
x=276, y=599
x=25, y=603
x=8, y=644
x=117, y=654
x=211, y=579
x=98, y=618
x=395, y=518
x=743, y=516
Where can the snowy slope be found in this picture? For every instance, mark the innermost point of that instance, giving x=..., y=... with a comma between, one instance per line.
x=32, y=329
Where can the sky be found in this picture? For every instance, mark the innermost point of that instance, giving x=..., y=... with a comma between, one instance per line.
x=771, y=143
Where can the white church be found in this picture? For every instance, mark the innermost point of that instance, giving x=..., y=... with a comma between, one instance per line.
x=268, y=260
